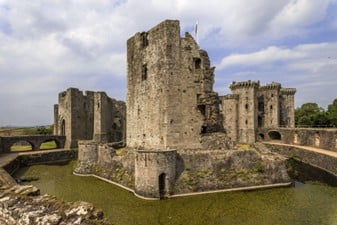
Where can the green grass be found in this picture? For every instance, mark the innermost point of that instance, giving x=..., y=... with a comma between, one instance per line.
x=28, y=147
x=19, y=148
x=48, y=145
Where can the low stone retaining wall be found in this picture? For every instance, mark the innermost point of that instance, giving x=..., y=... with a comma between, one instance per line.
x=317, y=159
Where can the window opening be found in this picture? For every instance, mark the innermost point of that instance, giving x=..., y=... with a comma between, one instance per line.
x=144, y=72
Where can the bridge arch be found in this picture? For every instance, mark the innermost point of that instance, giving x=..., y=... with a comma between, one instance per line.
x=21, y=145
x=274, y=135
x=52, y=144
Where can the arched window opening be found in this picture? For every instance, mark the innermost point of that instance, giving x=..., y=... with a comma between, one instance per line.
x=197, y=63
x=274, y=135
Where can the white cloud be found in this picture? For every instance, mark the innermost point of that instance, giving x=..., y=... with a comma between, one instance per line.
x=47, y=46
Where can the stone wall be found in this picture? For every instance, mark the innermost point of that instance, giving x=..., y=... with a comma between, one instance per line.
x=88, y=116
x=155, y=173
x=323, y=161
x=170, y=99
x=103, y=160
x=34, y=140
x=251, y=107
x=315, y=137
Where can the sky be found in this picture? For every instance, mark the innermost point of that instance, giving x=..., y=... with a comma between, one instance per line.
x=47, y=46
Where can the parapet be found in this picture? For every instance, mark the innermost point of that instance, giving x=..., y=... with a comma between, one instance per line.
x=272, y=86
x=288, y=91
x=244, y=84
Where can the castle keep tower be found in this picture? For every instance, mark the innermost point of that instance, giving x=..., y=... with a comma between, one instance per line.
x=170, y=102
x=170, y=98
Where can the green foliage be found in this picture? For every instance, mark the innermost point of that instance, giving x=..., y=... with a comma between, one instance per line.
x=42, y=130
x=259, y=167
x=332, y=113
x=311, y=115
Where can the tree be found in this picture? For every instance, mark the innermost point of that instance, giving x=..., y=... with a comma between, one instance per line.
x=311, y=115
x=332, y=113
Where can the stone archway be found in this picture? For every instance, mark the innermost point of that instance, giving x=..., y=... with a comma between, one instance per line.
x=274, y=135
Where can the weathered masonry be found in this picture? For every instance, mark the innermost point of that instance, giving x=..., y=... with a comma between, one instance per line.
x=180, y=134
x=252, y=106
x=89, y=116
x=35, y=141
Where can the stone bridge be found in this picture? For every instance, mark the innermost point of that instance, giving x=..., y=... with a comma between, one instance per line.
x=35, y=141
x=313, y=137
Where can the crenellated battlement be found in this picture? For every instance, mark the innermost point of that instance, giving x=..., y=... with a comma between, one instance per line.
x=272, y=86
x=288, y=91
x=244, y=84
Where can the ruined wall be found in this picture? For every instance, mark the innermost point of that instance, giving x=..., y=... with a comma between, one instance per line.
x=230, y=115
x=170, y=99
x=92, y=115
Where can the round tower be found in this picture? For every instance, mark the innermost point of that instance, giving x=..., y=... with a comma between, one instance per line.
x=155, y=173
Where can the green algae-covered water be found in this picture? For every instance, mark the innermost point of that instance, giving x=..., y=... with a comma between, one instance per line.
x=308, y=204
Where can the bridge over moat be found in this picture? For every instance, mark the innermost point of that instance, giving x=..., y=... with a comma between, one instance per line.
x=313, y=137
x=35, y=141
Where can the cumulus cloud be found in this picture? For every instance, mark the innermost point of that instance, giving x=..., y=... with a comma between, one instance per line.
x=48, y=46
x=311, y=68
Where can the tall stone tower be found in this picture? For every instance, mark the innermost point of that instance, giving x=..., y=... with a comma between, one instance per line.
x=247, y=109
x=269, y=105
x=170, y=103
x=170, y=100
x=287, y=99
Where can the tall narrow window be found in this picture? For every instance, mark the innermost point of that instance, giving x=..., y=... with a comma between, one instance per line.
x=197, y=63
x=144, y=72
x=145, y=39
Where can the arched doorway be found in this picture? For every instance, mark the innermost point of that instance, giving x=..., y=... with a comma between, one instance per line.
x=162, y=185
x=274, y=135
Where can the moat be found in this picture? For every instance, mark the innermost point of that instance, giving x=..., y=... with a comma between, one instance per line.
x=311, y=203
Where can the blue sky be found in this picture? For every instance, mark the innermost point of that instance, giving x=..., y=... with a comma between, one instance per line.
x=47, y=46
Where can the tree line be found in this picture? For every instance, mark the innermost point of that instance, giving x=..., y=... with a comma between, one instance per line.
x=312, y=115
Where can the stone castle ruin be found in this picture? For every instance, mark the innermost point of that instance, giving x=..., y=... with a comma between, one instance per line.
x=180, y=135
x=89, y=116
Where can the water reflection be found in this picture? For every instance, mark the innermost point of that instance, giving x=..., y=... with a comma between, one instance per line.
x=305, y=204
